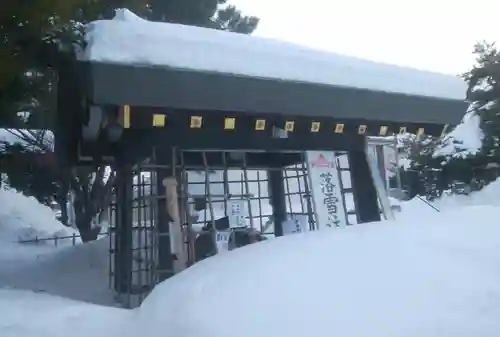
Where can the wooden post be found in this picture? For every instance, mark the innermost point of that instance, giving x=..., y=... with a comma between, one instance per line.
x=175, y=227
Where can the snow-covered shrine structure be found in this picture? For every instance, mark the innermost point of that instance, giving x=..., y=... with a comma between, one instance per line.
x=184, y=102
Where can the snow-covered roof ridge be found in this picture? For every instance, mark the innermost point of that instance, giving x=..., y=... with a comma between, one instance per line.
x=128, y=39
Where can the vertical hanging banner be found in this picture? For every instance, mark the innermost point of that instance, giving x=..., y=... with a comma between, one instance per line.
x=297, y=223
x=237, y=217
x=324, y=177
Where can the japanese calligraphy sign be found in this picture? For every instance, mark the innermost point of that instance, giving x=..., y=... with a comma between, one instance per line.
x=326, y=189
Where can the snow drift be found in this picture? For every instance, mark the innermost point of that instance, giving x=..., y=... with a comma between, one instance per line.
x=78, y=273
x=433, y=275
x=428, y=274
x=24, y=218
x=436, y=278
x=28, y=314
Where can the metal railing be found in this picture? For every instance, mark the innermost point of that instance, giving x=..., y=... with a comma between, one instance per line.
x=56, y=240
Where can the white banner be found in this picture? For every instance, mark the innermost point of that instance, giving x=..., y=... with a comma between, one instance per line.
x=325, y=189
x=237, y=214
x=297, y=223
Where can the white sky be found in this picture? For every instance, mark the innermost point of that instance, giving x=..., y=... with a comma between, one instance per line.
x=436, y=35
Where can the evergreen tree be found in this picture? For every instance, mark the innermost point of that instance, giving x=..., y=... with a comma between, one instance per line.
x=450, y=159
x=203, y=13
x=35, y=36
x=24, y=26
x=484, y=95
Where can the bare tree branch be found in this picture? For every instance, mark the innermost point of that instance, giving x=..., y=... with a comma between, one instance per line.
x=92, y=188
x=32, y=138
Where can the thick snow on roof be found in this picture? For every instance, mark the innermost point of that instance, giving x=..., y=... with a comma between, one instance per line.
x=128, y=39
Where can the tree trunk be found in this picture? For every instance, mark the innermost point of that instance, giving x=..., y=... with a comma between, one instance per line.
x=90, y=235
x=63, y=203
x=84, y=225
x=62, y=200
x=91, y=197
x=83, y=220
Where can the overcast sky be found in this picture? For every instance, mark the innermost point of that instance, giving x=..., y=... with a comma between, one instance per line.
x=436, y=35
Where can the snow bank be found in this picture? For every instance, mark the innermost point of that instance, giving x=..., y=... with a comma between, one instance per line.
x=489, y=195
x=184, y=47
x=436, y=278
x=24, y=218
x=432, y=274
x=28, y=314
x=418, y=208
x=79, y=273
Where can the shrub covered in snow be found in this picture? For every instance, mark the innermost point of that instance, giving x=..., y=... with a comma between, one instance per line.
x=24, y=218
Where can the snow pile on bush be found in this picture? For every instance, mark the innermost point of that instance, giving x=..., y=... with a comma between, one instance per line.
x=24, y=218
x=465, y=140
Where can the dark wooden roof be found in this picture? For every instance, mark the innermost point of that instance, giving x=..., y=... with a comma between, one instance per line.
x=148, y=86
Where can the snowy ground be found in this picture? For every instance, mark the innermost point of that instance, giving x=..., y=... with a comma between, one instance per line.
x=29, y=314
x=23, y=218
x=432, y=274
x=432, y=278
x=79, y=273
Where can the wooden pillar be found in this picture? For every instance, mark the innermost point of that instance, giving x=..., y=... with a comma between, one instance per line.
x=177, y=237
x=365, y=193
